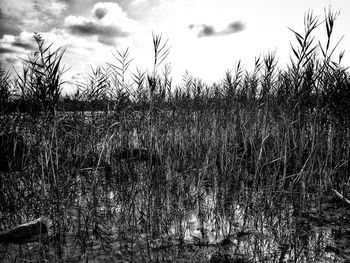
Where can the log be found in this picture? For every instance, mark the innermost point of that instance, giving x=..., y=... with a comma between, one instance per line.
x=33, y=231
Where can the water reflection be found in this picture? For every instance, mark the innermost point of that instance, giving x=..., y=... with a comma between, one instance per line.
x=140, y=219
x=251, y=230
x=263, y=236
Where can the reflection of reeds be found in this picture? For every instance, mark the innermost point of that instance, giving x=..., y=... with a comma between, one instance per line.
x=255, y=146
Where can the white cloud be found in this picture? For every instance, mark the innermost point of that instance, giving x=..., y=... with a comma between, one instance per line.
x=109, y=22
x=138, y=2
x=56, y=8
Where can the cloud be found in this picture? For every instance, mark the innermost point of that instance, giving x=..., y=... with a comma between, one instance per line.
x=8, y=24
x=209, y=30
x=22, y=44
x=235, y=27
x=140, y=9
x=85, y=27
x=50, y=8
x=106, y=40
x=206, y=31
x=4, y=50
x=11, y=60
x=15, y=48
x=100, y=11
x=23, y=41
x=29, y=15
x=108, y=23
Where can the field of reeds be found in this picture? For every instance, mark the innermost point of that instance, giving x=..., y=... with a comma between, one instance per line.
x=254, y=168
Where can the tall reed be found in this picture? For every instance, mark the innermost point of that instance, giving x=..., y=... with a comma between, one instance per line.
x=257, y=145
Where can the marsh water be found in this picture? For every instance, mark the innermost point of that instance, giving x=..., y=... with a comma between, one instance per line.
x=136, y=219
x=202, y=203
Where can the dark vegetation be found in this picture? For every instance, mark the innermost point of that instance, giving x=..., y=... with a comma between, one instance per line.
x=119, y=169
x=12, y=152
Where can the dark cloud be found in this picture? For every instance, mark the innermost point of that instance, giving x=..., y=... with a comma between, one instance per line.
x=206, y=31
x=107, y=40
x=209, y=30
x=13, y=48
x=11, y=60
x=8, y=29
x=85, y=28
x=19, y=43
x=235, y=27
x=106, y=34
x=100, y=12
x=9, y=25
x=90, y=28
x=4, y=50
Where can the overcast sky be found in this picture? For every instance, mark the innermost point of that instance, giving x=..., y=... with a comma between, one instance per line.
x=207, y=37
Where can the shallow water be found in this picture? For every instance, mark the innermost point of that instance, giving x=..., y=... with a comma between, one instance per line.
x=157, y=215
x=130, y=224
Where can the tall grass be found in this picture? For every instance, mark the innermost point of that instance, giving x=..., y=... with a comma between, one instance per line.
x=265, y=139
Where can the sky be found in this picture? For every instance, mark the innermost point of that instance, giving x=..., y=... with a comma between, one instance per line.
x=206, y=37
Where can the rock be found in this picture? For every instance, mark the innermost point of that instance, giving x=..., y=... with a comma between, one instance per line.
x=33, y=231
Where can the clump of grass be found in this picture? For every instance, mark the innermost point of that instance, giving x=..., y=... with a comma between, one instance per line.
x=40, y=82
x=5, y=90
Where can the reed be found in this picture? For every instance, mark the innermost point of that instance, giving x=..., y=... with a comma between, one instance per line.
x=125, y=164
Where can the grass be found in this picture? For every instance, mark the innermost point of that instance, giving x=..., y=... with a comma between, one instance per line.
x=259, y=150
